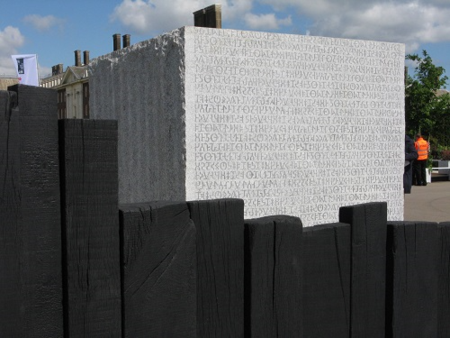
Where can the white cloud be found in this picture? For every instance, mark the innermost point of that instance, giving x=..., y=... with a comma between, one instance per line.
x=10, y=40
x=135, y=15
x=157, y=16
x=266, y=21
x=316, y=8
x=235, y=9
x=408, y=21
x=44, y=71
x=43, y=23
x=154, y=17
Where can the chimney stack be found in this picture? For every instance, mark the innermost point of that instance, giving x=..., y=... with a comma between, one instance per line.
x=126, y=40
x=86, y=57
x=78, y=58
x=58, y=69
x=116, y=41
x=210, y=16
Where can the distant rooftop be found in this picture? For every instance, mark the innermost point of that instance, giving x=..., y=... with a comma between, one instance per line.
x=442, y=92
x=6, y=81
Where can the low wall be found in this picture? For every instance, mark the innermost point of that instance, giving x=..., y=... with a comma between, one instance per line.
x=292, y=124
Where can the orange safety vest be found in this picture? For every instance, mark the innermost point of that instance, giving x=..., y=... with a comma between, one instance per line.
x=422, y=149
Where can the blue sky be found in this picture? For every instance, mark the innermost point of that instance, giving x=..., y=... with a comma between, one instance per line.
x=55, y=29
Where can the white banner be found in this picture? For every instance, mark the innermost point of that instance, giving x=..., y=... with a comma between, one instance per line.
x=26, y=68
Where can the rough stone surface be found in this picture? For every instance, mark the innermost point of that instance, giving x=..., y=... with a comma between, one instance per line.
x=292, y=124
x=142, y=86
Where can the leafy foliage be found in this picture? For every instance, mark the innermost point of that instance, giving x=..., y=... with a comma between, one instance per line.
x=426, y=112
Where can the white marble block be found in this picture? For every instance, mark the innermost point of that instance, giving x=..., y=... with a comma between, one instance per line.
x=293, y=124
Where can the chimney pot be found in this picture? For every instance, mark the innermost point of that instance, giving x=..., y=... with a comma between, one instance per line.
x=57, y=69
x=86, y=57
x=77, y=58
x=116, y=41
x=210, y=16
x=126, y=40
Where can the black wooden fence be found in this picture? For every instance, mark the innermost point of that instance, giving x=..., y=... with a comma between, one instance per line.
x=75, y=263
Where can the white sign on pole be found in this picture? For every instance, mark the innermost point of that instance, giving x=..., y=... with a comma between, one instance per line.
x=26, y=68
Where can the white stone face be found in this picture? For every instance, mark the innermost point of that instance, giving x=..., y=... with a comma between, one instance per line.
x=142, y=87
x=295, y=125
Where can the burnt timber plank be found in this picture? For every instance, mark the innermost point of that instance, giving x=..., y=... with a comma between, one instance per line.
x=412, y=297
x=368, y=267
x=30, y=231
x=90, y=222
x=326, y=283
x=220, y=267
x=274, y=270
x=159, y=293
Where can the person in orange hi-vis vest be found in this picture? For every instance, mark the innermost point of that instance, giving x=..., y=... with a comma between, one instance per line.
x=420, y=165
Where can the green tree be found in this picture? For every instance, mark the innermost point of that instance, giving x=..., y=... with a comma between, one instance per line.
x=426, y=112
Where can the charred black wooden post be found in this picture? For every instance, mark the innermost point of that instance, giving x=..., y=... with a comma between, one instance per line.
x=444, y=281
x=368, y=268
x=326, y=281
x=412, y=297
x=159, y=266
x=30, y=222
x=273, y=300
x=90, y=223
x=220, y=267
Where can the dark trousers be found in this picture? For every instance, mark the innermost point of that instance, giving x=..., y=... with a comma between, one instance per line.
x=420, y=176
x=407, y=178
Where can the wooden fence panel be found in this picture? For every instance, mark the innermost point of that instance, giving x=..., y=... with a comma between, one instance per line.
x=368, y=269
x=30, y=232
x=220, y=267
x=444, y=281
x=326, y=284
x=412, y=301
x=274, y=271
x=191, y=269
x=159, y=270
x=90, y=222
